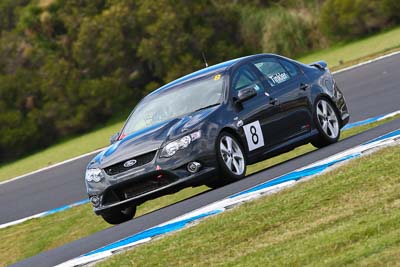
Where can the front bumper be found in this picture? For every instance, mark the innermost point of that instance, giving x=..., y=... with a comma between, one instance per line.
x=125, y=194
x=159, y=177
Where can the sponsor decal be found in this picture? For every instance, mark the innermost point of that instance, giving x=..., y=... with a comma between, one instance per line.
x=278, y=78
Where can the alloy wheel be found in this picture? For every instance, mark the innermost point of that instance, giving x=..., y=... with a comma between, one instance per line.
x=327, y=119
x=232, y=155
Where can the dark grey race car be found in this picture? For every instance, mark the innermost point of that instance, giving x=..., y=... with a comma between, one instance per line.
x=206, y=127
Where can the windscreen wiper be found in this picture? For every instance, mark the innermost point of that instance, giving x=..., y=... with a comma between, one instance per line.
x=206, y=107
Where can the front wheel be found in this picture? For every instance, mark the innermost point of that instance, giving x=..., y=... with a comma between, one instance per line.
x=117, y=216
x=327, y=122
x=231, y=159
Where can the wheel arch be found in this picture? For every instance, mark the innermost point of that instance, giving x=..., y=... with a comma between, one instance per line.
x=237, y=136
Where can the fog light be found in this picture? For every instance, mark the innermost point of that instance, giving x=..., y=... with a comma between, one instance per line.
x=95, y=201
x=193, y=167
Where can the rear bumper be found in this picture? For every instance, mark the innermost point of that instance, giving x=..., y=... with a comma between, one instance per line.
x=341, y=105
x=345, y=119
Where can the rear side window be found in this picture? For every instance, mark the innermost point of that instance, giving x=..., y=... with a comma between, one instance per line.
x=291, y=68
x=272, y=70
x=243, y=78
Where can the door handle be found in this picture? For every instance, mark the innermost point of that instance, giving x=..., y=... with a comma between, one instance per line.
x=274, y=101
x=304, y=86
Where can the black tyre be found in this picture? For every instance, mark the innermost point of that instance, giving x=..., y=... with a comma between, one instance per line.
x=327, y=122
x=231, y=159
x=117, y=216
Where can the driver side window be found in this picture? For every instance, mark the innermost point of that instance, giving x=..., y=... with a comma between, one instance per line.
x=243, y=78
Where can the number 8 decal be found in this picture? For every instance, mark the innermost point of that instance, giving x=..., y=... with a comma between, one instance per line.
x=254, y=135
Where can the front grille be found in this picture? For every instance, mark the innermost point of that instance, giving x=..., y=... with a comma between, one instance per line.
x=140, y=160
x=132, y=189
x=146, y=185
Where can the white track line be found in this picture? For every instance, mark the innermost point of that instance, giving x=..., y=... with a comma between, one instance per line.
x=366, y=62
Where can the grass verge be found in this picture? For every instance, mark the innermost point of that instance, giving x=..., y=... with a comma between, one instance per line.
x=350, y=216
x=350, y=53
x=344, y=55
x=38, y=235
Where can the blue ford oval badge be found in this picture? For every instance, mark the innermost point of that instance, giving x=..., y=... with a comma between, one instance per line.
x=130, y=163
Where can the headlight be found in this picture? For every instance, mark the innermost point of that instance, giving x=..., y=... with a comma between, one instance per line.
x=170, y=149
x=94, y=175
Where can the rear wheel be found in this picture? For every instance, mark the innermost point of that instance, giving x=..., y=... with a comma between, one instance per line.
x=326, y=120
x=117, y=216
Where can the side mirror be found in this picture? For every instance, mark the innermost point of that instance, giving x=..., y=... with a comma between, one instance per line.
x=246, y=93
x=114, y=138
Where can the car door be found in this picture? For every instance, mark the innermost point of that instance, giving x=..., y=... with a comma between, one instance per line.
x=256, y=114
x=288, y=88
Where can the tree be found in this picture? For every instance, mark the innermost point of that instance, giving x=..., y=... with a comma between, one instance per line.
x=175, y=33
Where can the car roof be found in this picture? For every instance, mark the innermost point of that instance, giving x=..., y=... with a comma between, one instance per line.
x=220, y=67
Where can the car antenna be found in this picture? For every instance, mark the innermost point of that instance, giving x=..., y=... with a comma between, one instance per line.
x=204, y=59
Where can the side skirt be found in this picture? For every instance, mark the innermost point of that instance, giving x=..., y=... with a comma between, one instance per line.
x=284, y=147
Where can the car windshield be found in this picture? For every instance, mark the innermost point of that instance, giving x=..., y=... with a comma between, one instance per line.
x=175, y=102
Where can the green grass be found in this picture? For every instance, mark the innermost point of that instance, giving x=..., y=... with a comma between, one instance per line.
x=362, y=49
x=349, y=53
x=38, y=235
x=348, y=217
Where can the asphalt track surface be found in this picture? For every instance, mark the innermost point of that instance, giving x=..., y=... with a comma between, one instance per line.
x=370, y=90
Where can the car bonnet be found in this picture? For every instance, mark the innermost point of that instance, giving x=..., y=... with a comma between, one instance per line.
x=150, y=138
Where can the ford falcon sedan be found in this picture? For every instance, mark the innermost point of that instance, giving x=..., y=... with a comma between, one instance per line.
x=206, y=127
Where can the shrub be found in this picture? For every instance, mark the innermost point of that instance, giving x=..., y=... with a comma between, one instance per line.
x=286, y=33
x=346, y=19
x=391, y=9
x=252, y=20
